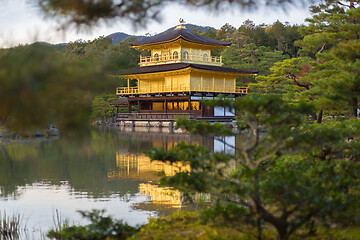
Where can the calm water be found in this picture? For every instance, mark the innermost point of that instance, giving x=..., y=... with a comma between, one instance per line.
x=106, y=169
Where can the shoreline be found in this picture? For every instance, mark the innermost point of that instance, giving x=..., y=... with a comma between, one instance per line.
x=48, y=133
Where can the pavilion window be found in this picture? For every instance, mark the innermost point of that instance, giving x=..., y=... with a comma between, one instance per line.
x=195, y=105
x=205, y=57
x=186, y=55
x=156, y=57
x=175, y=55
x=170, y=106
x=183, y=106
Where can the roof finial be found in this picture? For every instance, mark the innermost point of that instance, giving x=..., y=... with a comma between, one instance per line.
x=181, y=24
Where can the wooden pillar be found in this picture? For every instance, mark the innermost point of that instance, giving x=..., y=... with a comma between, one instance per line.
x=166, y=106
x=213, y=85
x=234, y=84
x=138, y=84
x=189, y=103
x=201, y=106
x=224, y=111
x=129, y=107
x=128, y=84
x=139, y=107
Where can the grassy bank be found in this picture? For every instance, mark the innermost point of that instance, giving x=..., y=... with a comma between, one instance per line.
x=179, y=226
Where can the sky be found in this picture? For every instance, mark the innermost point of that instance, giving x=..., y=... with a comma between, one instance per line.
x=21, y=22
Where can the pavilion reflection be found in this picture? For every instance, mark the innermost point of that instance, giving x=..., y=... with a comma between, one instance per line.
x=141, y=168
x=133, y=163
x=161, y=195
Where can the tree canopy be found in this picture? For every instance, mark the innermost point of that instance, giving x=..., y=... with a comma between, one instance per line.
x=87, y=12
x=333, y=38
x=282, y=177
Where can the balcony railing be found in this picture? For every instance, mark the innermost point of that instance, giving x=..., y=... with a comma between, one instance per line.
x=162, y=59
x=179, y=88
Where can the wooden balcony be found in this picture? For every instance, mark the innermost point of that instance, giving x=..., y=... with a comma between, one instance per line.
x=170, y=116
x=179, y=88
x=157, y=115
x=166, y=59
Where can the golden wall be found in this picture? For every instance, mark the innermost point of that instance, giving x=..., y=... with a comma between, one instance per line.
x=212, y=82
x=189, y=82
x=178, y=82
x=153, y=85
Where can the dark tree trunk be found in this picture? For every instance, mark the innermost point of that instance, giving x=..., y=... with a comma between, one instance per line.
x=354, y=106
x=259, y=237
x=320, y=116
x=280, y=224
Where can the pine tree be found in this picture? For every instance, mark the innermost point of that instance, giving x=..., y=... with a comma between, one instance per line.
x=333, y=39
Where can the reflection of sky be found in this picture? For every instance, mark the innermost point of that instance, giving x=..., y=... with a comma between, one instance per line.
x=224, y=144
x=22, y=22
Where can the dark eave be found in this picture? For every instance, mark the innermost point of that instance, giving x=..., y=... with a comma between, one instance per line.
x=179, y=66
x=170, y=36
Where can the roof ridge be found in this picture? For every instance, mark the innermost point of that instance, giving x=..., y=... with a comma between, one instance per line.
x=169, y=36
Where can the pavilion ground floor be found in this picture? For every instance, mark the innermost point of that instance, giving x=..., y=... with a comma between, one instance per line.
x=170, y=106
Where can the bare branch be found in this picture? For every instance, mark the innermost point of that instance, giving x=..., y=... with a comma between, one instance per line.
x=300, y=84
x=322, y=48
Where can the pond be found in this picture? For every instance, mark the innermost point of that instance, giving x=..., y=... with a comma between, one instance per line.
x=42, y=179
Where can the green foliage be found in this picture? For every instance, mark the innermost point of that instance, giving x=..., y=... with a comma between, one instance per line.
x=57, y=84
x=186, y=225
x=39, y=85
x=282, y=177
x=258, y=47
x=276, y=37
x=100, y=228
x=252, y=57
x=278, y=83
x=103, y=52
x=332, y=37
x=101, y=106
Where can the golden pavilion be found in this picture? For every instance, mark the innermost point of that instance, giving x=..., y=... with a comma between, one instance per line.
x=179, y=73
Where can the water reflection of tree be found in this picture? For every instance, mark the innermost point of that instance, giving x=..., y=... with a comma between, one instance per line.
x=83, y=163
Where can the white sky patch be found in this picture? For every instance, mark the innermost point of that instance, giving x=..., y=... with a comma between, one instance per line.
x=22, y=22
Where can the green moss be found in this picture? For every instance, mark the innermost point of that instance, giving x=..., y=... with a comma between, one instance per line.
x=187, y=226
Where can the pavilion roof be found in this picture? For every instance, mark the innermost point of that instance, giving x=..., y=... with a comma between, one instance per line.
x=179, y=66
x=180, y=33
